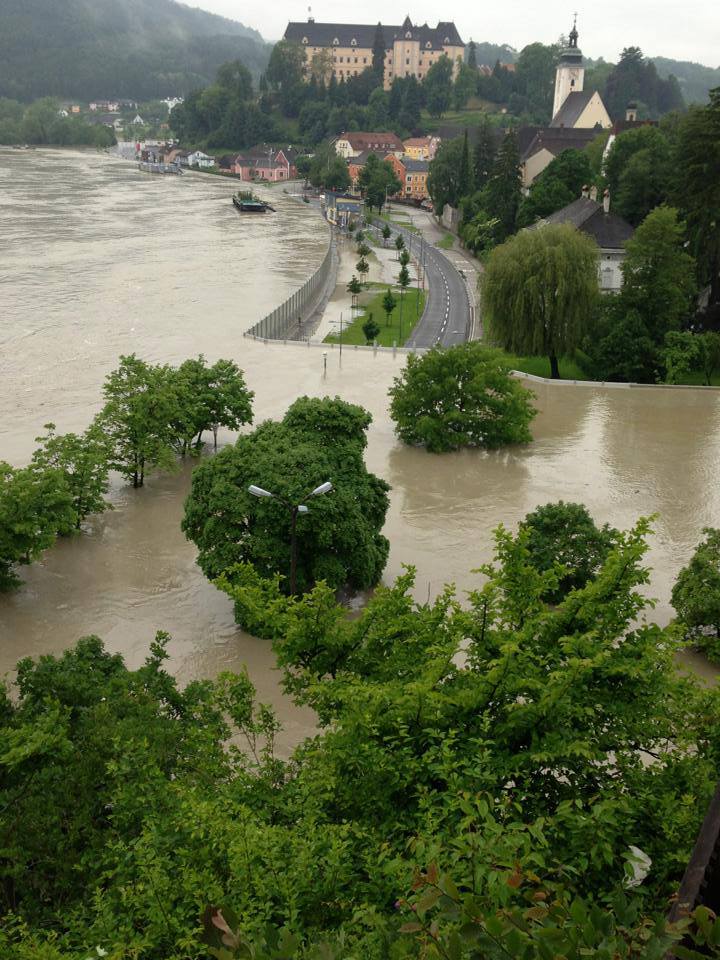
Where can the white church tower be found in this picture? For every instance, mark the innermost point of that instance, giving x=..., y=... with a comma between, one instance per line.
x=570, y=72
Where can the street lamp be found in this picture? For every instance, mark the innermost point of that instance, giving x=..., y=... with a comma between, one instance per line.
x=295, y=509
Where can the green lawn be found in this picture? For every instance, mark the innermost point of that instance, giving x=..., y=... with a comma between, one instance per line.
x=412, y=310
x=447, y=242
x=540, y=367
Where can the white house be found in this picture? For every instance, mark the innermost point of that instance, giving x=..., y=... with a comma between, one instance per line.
x=201, y=160
x=609, y=231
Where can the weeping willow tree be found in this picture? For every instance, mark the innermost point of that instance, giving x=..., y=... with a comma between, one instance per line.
x=539, y=290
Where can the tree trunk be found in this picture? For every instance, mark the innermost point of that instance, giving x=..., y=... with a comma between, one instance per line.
x=554, y=367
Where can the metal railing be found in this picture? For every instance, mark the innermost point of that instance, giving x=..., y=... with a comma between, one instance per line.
x=298, y=308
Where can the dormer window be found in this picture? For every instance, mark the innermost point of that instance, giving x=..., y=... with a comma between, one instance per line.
x=446, y=40
x=408, y=35
x=428, y=46
x=336, y=42
x=353, y=42
x=305, y=40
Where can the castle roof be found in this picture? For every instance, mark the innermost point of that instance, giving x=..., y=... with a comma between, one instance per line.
x=363, y=35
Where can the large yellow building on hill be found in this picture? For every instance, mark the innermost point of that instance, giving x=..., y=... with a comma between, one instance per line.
x=346, y=49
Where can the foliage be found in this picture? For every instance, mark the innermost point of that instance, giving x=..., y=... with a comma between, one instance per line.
x=638, y=172
x=481, y=774
x=208, y=397
x=42, y=123
x=636, y=79
x=658, y=274
x=502, y=193
x=559, y=184
x=83, y=463
x=438, y=86
x=377, y=179
x=563, y=538
x=370, y=328
x=133, y=49
x=140, y=407
x=697, y=188
x=680, y=355
x=696, y=594
x=35, y=506
x=339, y=538
x=328, y=170
x=484, y=153
x=444, y=176
x=539, y=291
x=460, y=397
x=388, y=304
x=391, y=333
x=619, y=345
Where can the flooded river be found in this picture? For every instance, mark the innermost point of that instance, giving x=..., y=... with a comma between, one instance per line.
x=98, y=260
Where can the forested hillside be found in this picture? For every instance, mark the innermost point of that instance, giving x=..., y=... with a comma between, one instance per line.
x=136, y=49
x=695, y=80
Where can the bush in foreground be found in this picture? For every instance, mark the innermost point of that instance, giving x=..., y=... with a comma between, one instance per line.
x=460, y=397
x=696, y=595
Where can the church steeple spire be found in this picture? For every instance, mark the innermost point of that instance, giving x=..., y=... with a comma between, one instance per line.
x=574, y=34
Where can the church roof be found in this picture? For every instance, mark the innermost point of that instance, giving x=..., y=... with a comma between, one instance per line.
x=557, y=139
x=572, y=109
x=608, y=230
x=325, y=34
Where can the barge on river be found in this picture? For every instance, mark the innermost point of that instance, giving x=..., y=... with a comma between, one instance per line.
x=247, y=202
x=149, y=167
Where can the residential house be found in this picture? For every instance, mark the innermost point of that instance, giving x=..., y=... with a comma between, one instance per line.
x=344, y=50
x=264, y=162
x=415, y=180
x=105, y=106
x=352, y=144
x=341, y=208
x=607, y=229
x=200, y=160
x=421, y=148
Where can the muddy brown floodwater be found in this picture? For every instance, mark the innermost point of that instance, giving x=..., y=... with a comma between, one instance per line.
x=98, y=260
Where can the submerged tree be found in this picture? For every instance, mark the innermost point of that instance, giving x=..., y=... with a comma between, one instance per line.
x=539, y=292
x=460, y=397
x=338, y=539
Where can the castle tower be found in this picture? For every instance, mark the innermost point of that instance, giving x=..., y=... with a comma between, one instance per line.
x=570, y=72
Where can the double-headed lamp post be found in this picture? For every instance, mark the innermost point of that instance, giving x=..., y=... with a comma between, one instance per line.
x=295, y=509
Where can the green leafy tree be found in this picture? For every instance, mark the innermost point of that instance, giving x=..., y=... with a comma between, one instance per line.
x=353, y=288
x=438, y=87
x=708, y=353
x=539, y=292
x=388, y=303
x=140, y=408
x=377, y=179
x=681, y=355
x=444, y=184
x=285, y=73
x=363, y=249
x=461, y=397
x=370, y=328
x=564, y=538
x=472, y=55
x=378, y=116
x=696, y=594
x=339, y=539
x=403, y=281
x=465, y=85
x=484, y=153
x=378, y=54
x=465, y=176
x=404, y=257
x=534, y=80
x=626, y=145
x=399, y=244
x=208, y=397
x=386, y=232
x=503, y=190
x=235, y=77
x=559, y=184
x=362, y=267
x=620, y=346
x=658, y=274
x=83, y=462
x=35, y=506
x=697, y=188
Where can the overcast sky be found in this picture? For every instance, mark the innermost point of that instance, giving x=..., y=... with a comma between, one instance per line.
x=681, y=29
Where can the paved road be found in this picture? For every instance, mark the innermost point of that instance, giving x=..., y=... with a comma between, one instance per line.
x=446, y=319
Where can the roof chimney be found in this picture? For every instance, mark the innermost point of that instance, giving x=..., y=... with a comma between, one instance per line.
x=585, y=192
x=606, y=200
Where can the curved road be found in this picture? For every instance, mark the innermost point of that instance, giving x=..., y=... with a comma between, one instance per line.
x=446, y=318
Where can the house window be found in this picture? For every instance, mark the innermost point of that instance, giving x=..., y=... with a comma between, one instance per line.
x=407, y=61
x=355, y=59
x=364, y=59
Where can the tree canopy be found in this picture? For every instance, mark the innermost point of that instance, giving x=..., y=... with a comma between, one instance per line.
x=696, y=594
x=463, y=396
x=339, y=539
x=539, y=291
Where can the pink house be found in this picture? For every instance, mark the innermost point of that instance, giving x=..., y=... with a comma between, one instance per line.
x=271, y=165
